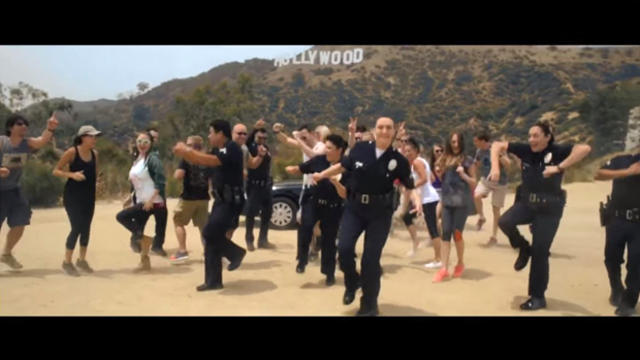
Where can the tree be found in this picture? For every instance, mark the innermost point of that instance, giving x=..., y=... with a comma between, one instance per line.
x=19, y=96
x=142, y=87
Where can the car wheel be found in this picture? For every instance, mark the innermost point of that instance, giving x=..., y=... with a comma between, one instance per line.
x=283, y=215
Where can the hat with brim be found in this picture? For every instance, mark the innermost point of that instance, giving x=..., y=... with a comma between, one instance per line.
x=88, y=130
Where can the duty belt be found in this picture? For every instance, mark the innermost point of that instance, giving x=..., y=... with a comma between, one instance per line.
x=229, y=194
x=628, y=214
x=329, y=203
x=261, y=183
x=367, y=199
x=543, y=198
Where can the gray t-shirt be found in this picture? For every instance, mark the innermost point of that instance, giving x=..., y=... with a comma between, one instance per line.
x=483, y=161
x=13, y=158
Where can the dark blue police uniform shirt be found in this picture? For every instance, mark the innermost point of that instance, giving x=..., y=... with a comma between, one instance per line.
x=533, y=165
x=325, y=189
x=230, y=171
x=625, y=192
x=262, y=171
x=376, y=176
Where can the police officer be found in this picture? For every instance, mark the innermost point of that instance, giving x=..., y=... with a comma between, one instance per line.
x=374, y=166
x=325, y=204
x=539, y=201
x=622, y=221
x=259, y=184
x=228, y=204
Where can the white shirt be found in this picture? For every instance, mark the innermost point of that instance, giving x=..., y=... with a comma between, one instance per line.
x=427, y=191
x=142, y=182
x=379, y=153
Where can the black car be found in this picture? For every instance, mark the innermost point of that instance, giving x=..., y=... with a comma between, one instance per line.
x=285, y=203
x=286, y=196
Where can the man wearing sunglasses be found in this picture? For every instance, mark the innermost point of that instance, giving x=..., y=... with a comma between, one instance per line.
x=15, y=148
x=194, y=200
x=259, y=183
x=239, y=136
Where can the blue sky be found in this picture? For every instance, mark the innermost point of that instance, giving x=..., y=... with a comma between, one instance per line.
x=86, y=73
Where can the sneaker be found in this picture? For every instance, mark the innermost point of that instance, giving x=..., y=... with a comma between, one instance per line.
x=84, y=265
x=179, y=258
x=457, y=272
x=250, y=246
x=433, y=265
x=441, y=275
x=11, y=261
x=411, y=253
x=70, y=269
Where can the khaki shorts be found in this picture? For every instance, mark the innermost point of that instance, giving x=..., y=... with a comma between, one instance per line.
x=187, y=210
x=499, y=192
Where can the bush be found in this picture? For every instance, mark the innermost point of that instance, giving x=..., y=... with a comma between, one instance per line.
x=39, y=185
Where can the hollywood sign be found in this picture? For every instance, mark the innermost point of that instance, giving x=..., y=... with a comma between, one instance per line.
x=313, y=57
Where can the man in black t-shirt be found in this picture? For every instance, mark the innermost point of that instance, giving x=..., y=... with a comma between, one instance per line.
x=229, y=200
x=623, y=228
x=539, y=201
x=259, y=183
x=194, y=200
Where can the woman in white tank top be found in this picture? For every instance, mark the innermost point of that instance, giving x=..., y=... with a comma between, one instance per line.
x=421, y=172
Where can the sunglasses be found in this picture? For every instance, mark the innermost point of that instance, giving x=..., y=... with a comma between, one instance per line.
x=143, y=142
x=261, y=138
x=20, y=123
x=242, y=133
x=437, y=151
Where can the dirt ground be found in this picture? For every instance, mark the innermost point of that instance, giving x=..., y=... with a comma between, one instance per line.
x=267, y=284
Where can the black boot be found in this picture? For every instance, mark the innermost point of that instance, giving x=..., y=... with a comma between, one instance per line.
x=300, y=268
x=523, y=257
x=331, y=279
x=367, y=309
x=534, y=303
x=616, y=297
x=350, y=295
x=235, y=263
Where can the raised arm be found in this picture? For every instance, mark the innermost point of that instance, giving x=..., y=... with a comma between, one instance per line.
x=195, y=157
x=47, y=134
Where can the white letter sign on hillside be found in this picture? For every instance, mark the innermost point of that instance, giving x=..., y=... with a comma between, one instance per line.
x=315, y=57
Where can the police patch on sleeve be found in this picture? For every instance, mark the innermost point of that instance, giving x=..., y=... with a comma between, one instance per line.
x=392, y=164
x=548, y=158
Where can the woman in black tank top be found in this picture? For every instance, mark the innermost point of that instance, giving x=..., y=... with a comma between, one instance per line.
x=79, y=194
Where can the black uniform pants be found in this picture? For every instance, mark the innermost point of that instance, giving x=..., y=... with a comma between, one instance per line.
x=329, y=217
x=375, y=221
x=80, y=212
x=618, y=234
x=259, y=201
x=544, y=225
x=222, y=218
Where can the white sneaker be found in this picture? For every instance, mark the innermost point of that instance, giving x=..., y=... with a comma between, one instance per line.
x=433, y=265
x=411, y=253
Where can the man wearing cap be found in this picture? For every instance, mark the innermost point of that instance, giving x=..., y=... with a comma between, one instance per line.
x=79, y=194
x=15, y=148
